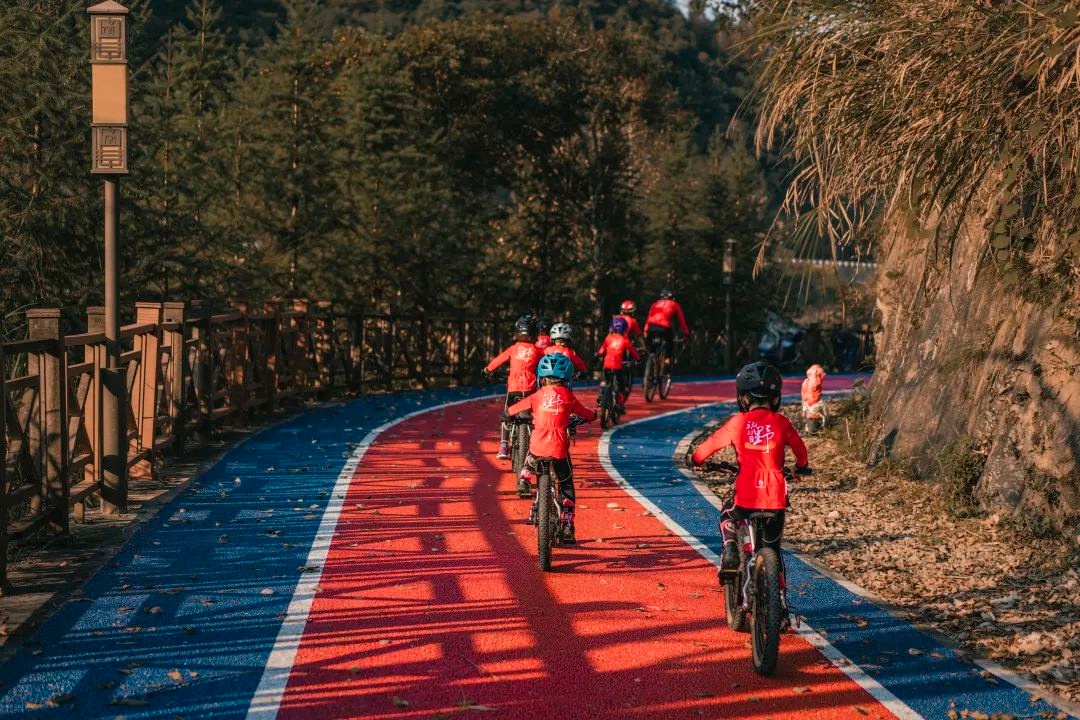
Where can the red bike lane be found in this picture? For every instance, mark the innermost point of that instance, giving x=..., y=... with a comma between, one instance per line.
x=431, y=602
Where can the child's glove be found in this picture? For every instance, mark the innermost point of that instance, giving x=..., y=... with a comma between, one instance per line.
x=804, y=470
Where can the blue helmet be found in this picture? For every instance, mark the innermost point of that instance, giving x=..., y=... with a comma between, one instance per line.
x=619, y=324
x=555, y=365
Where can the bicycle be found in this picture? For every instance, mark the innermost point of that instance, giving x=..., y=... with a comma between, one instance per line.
x=550, y=520
x=607, y=399
x=520, y=436
x=754, y=594
x=657, y=375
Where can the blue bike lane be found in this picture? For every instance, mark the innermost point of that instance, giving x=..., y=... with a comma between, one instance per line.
x=182, y=621
x=907, y=670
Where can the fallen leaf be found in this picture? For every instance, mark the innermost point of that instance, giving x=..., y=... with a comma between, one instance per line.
x=800, y=690
x=176, y=676
x=61, y=699
x=400, y=701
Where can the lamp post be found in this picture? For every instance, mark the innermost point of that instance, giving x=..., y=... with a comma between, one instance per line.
x=109, y=132
x=729, y=281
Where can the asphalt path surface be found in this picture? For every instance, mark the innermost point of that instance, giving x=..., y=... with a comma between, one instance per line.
x=370, y=560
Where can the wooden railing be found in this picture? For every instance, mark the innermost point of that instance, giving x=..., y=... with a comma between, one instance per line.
x=188, y=371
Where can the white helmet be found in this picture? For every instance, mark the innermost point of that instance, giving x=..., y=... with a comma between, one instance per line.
x=561, y=331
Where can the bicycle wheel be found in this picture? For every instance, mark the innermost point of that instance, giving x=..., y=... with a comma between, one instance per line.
x=664, y=381
x=606, y=407
x=648, y=380
x=520, y=448
x=545, y=519
x=767, y=611
x=733, y=602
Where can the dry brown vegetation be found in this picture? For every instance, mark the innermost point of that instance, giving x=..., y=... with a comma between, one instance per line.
x=944, y=137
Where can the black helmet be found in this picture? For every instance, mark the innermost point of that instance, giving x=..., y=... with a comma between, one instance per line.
x=760, y=381
x=525, y=325
x=543, y=324
x=667, y=294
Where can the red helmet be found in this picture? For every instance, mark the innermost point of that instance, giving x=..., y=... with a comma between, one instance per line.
x=628, y=307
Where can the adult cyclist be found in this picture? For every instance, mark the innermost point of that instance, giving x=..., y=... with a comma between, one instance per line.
x=661, y=320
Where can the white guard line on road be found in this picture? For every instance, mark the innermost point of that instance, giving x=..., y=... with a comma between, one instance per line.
x=268, y=695
x=876, y=690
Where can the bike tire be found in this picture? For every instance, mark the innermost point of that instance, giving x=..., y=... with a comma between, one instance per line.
x=665, y=381
x=520, y=448
x=733, y=604
x=545, y=520
x=605, y=407
x=767, y=612
x=648, y=380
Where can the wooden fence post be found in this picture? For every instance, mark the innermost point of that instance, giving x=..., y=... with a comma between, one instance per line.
x=272, y=340
x=52, y=408
x=323, y=341
x=94, y=353
x=145, y=398
x=172, y=314
x=203, y=368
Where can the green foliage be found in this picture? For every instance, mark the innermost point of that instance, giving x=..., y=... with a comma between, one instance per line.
x=461, y=157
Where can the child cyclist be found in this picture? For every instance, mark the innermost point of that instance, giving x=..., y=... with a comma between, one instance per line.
x=813, y=409
x=552, y=407
x=523, y=356
x=543, y=333
x=614, y=349
x=561, y=334
x=760, y=436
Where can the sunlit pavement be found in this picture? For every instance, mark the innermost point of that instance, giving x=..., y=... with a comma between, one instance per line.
x=292, y=581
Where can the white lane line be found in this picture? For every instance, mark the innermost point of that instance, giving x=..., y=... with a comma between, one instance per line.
x=875, y=689
x=1009, y=676
x=267, y=698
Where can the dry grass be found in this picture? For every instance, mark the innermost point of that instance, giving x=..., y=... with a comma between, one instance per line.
x=932, y=110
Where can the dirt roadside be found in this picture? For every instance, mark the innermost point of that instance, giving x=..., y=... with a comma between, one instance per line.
x=993, y=589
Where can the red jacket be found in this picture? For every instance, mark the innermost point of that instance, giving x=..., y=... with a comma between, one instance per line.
x=568, y=352
x=552, y=406
x=523, y=357
x=543, y=342
x=811, y=391
x=661, y=314
x=759, y=437
x=633, y=330
x=613, y=349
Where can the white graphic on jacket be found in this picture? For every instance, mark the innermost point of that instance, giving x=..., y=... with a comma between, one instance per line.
x=759, y=434
x=552, y=402
x=526, y=353
x=759, y=437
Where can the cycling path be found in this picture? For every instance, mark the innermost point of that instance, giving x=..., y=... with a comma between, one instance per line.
x=369, y=560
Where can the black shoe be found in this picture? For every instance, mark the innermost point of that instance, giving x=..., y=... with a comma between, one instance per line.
x=729, y=559
x=531, y=520
x=524, y=488
x=568, y=537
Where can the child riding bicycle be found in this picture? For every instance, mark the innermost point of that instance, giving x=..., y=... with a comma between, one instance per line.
x=760, y=436
x=523, y=357
x=561, y=334
x=553, y=407
x=614, y=350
